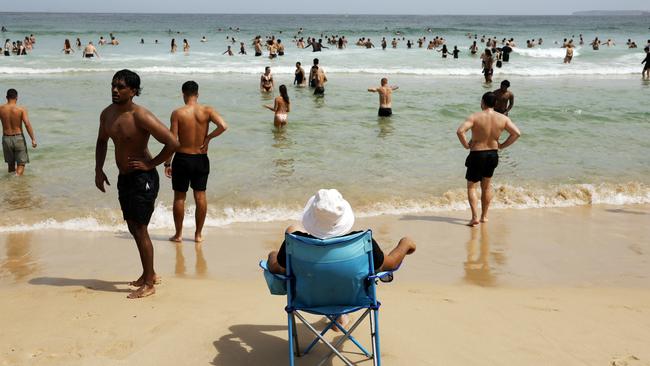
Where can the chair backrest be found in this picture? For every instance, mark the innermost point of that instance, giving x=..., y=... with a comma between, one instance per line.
x=330, y=272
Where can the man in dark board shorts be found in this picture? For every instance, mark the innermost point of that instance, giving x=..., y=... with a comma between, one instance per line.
x=14, y=146
x=483, y=158
x=191, y=166
x=130, y=126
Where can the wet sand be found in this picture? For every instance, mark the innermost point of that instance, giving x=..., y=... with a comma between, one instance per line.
x=562, y=286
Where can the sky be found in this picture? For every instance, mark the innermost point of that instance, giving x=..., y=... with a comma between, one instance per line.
x=423, y=7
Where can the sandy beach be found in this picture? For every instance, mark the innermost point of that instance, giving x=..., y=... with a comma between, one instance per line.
x=554, y=286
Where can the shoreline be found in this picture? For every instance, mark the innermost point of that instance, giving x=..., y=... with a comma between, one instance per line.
x=538, y=287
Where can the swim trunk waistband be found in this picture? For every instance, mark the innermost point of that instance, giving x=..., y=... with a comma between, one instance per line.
x=17, y=134
x=185, y=155
x=474, y=152
x=385, y=112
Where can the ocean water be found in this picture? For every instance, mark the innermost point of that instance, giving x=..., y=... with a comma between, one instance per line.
x=586, y=126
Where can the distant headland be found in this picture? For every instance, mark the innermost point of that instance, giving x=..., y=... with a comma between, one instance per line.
x=613, y=12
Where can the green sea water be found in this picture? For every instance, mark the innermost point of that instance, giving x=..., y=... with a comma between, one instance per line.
x=586, y=126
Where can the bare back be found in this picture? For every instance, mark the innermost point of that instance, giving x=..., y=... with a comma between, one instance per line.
x=385, y=96
x=192, y=121
x=129, y=138
x=487, y=127
x=12, y=117
x=503, y=98
x=281, y=106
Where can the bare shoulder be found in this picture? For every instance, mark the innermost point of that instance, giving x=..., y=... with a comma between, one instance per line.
x=207, y=108
x=141, y=114
x=105, y=112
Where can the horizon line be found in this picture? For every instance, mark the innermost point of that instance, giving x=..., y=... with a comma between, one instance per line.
x=309, y=14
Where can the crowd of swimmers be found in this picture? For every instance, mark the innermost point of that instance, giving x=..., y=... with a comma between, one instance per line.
x=19, y=47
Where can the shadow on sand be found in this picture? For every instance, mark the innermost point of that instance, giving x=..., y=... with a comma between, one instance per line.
x=91, y=284
x=626, y=211
x=448, y=220
x=249, y=344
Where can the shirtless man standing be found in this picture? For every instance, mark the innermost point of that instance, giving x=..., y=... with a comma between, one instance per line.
x=505, y=98
x=191, y=165
x=317, y=78
x=89, y=51
x=130, y=126
x=385, y=97
x=483, y=158
x=14, y=146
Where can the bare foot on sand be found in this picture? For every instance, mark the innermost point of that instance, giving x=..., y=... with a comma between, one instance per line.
x=484, y=219
x=176, y=238
x=157, y=280
x=198, y=238
x=343, y=321
x=473, y=223
x=141, y=292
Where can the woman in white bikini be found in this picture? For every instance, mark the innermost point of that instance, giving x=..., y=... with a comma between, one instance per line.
x=281, y=107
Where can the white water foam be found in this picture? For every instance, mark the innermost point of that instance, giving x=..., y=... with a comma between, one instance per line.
x=505, y=197
x=558, y=53
x=534, y=71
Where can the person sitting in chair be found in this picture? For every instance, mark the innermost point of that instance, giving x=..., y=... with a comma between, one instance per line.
x=328, y=215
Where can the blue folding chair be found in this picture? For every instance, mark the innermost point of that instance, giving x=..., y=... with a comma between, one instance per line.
x=329, y=277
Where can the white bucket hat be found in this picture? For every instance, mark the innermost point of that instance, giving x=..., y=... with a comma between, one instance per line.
x=327, y=214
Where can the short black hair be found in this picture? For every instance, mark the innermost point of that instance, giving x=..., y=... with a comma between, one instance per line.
x=12, y=94
x=315, y=61
x=131, y=79
x=505, y=83
x=190, y=88
x=489, y=99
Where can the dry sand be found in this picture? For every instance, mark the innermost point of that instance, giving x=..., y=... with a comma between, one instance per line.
x=567, y=286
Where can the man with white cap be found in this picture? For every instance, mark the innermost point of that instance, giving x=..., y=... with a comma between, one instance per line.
x=328, y=215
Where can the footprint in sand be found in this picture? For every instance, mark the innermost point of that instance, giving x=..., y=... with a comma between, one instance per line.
x=630, y=360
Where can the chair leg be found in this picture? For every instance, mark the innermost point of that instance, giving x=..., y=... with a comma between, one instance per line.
x=291, y=325
x=295, y=335
x=374, y=332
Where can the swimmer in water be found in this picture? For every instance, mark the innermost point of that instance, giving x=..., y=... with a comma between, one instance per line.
x=266, y=81
x=281, y=108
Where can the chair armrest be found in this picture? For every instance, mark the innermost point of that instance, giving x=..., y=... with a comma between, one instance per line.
x=265, y=266
x=384, y=276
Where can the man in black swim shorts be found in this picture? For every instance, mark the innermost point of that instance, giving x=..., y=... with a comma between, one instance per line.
x=385, y=97
x=483, y=158
x=130, y=126
x=191, y=165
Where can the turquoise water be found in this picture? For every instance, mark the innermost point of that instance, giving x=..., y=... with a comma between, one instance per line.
x=586, y=125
